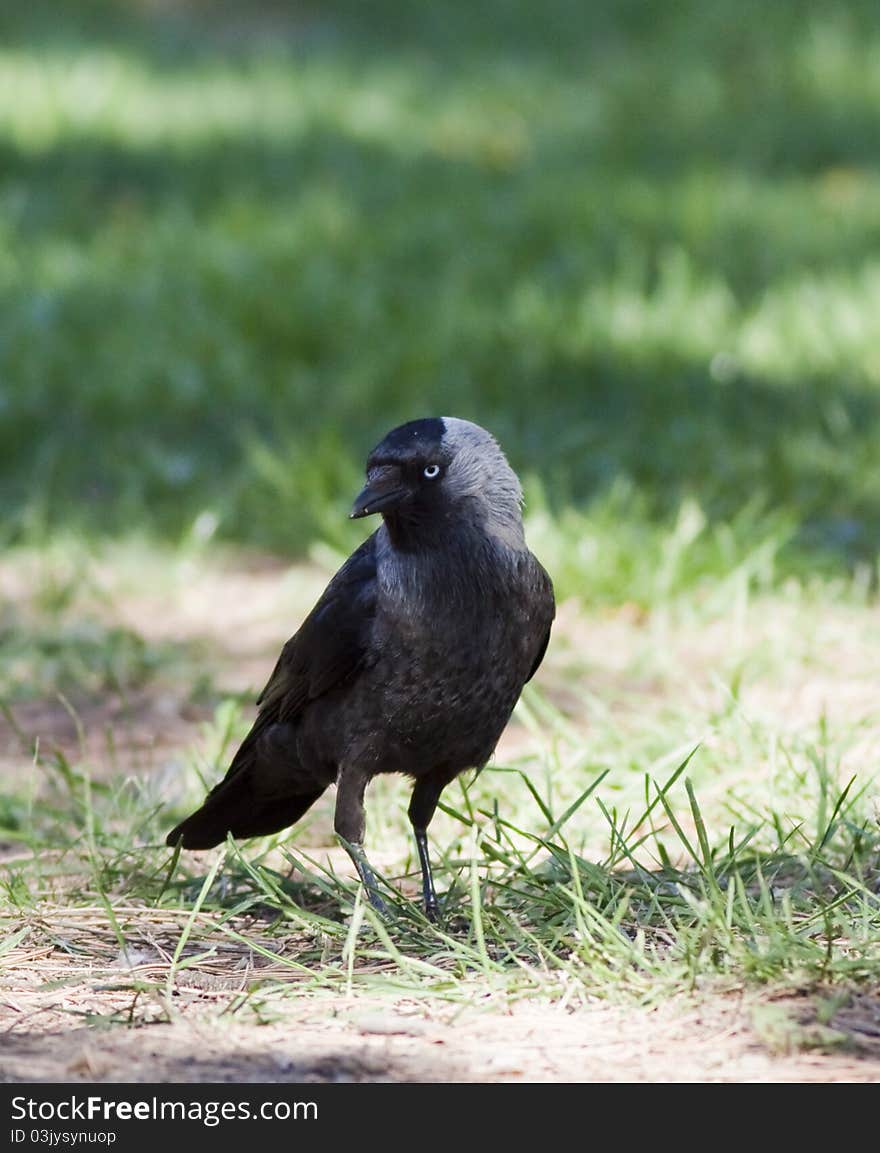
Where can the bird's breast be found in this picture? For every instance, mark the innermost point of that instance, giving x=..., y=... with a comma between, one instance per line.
x=449, y=651
x=441, y=691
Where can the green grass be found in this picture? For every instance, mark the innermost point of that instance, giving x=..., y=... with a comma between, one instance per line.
x=674, y=901
x=693, y=812
x=638, y=245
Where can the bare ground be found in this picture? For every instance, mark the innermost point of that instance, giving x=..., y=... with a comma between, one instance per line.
x=718, y=1039
x=73, y=1007
x=60, y=1013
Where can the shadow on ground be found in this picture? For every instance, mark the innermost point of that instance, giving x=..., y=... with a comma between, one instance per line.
x=238, y=251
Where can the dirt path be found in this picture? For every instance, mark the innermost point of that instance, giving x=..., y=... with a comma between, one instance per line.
x=359, y=1040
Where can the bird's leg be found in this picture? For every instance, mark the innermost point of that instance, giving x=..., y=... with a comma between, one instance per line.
x=350, y=824
x=429, y=895
x=422, y=807
x=366, y=874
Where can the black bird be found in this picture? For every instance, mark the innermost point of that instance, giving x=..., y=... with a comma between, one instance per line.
x=411, y=661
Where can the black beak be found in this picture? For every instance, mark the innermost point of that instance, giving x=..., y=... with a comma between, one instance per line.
x=383, y=491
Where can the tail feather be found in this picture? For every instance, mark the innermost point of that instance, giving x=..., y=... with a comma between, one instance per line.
x=263, y=792
x=238, y=814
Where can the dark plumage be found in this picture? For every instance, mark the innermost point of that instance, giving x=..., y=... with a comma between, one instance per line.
x=413, y=658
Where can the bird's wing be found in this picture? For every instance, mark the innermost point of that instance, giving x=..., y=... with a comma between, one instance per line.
x=264, y=788
x=544, y=596
x=330, y=645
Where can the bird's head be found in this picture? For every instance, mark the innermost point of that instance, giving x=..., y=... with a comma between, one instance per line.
x=433, y=473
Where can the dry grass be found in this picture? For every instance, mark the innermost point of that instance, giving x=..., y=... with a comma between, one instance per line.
x=272, y=972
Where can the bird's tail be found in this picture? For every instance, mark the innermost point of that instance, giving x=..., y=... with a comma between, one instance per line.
x=231, y=811
x=263, y=792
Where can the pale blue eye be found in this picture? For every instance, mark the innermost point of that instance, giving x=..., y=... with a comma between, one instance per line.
x=432, y=471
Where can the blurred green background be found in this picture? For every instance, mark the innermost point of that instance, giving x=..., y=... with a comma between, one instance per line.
x=639, y=241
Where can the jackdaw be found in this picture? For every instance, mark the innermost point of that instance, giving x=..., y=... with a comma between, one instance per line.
x=411, y=661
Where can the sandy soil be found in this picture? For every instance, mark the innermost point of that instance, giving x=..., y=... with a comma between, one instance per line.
x=711, y=1040
x=60, y=1015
